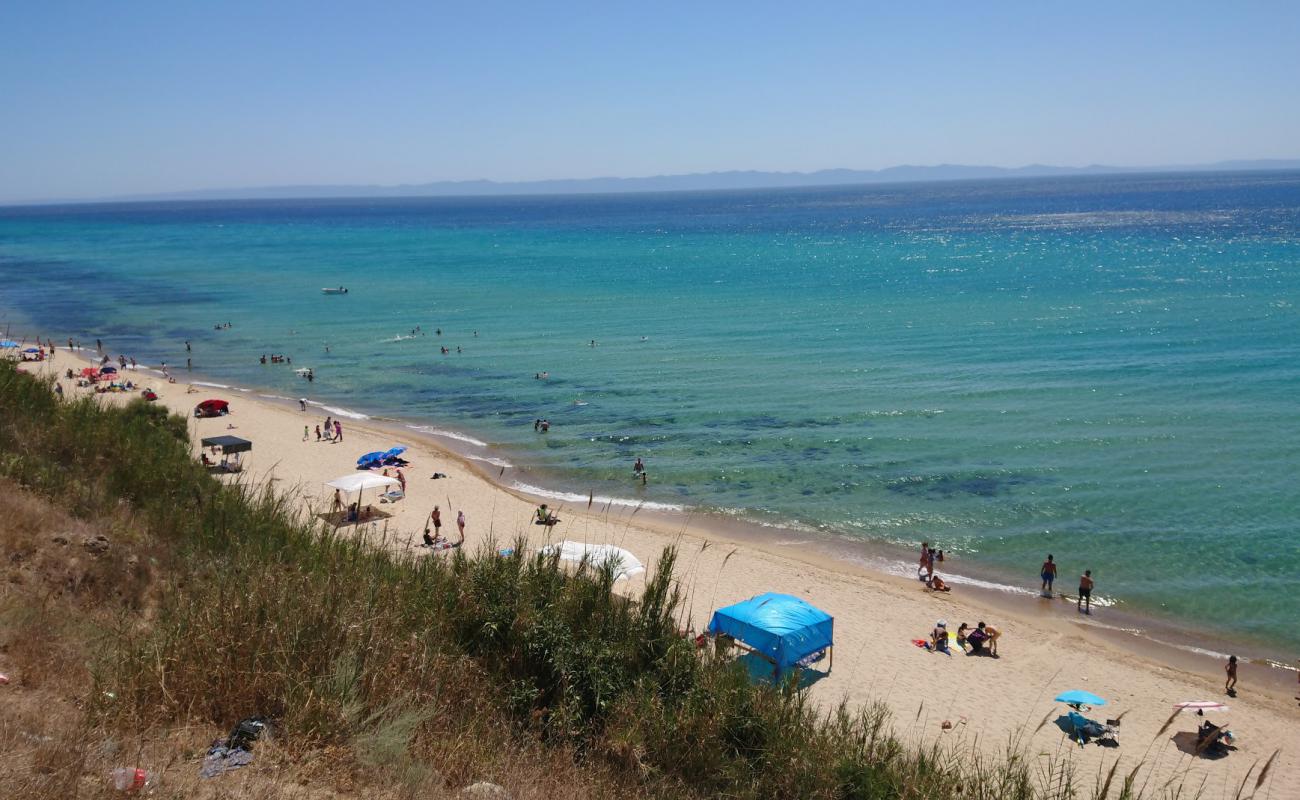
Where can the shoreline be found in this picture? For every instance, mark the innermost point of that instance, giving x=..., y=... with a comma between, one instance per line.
x=877, y=613
x=1174, y=642
x=1144, y=634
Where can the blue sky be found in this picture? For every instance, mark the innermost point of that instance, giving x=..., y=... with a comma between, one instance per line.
x=108, y=98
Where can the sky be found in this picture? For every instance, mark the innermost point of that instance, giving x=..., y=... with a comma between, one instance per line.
x=117, y=98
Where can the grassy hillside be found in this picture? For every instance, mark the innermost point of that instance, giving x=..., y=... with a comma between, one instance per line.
x=386, y=675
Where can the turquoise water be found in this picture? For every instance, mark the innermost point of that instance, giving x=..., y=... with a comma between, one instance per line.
x=1101, y=368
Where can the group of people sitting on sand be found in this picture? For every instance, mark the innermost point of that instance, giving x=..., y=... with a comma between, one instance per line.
x=977, y=641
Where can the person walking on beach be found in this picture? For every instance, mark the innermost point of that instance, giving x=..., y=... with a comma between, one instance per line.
x=304, y=433
x=1048, y=574
x=925, y=570
x=338, y=431
x=1085, y=592
x=435, y=517
x=318, y=433
x=1230, y=685
x=460, y=523
x=401, y=480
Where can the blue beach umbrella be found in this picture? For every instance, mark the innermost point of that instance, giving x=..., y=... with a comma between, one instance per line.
x=1078, y=697
x=31, y=350
x=368, y=457
x=8, y=343
x=395, y=450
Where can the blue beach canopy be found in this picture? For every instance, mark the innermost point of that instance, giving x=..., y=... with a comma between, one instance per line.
x=782, y=628
x=1076, y=697
x=32, y=350
x=368, y=457
x=395, y=450
x=8, y=343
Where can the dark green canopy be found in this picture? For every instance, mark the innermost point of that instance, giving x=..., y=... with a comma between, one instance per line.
x=228, y=444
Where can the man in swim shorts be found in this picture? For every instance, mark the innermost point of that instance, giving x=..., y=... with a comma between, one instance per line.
x=1085, y=592
x=1048, y=574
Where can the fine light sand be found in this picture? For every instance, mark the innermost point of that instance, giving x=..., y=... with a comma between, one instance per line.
x=991, y=703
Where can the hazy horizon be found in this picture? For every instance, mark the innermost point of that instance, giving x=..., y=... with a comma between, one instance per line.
x=147, y=98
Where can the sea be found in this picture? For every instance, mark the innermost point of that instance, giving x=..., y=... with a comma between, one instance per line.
x=1104, y=368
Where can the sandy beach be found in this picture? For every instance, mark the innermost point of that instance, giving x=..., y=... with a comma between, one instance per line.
x=989, y=702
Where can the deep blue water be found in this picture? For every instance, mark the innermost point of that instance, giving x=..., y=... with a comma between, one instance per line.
x=1104, y=368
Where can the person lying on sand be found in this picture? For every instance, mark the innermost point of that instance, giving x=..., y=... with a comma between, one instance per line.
x=936, y=584
x=438, y=542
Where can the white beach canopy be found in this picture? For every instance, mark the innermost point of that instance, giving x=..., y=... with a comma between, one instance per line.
x=624, y=563
x=356, y=481
x=360, y=481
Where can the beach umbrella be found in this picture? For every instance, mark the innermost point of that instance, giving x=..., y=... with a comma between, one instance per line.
x=32, y=350
x=625, y=564
x=375, y=456
x=1078, y=697
x=1201, y=705
x=8, y=343
x=109, y=370
x=395, y=450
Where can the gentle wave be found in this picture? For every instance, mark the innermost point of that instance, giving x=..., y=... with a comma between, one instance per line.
x=460, y=437
x=338, y=412
x=211, y=385
x=496, y=462
x=572, y=497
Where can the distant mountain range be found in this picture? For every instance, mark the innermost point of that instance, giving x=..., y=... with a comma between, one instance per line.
x=746, y=179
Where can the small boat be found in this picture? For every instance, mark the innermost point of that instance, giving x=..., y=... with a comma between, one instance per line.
x=338, y=290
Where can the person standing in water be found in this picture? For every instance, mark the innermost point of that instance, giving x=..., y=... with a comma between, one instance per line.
x=1048, y=574
x=1085, y=592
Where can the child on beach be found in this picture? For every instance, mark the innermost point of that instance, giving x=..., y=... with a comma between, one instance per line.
x=460, y=523
x=318, y=433
x=962, y=631
x=305, y=432
x=1230, y=685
